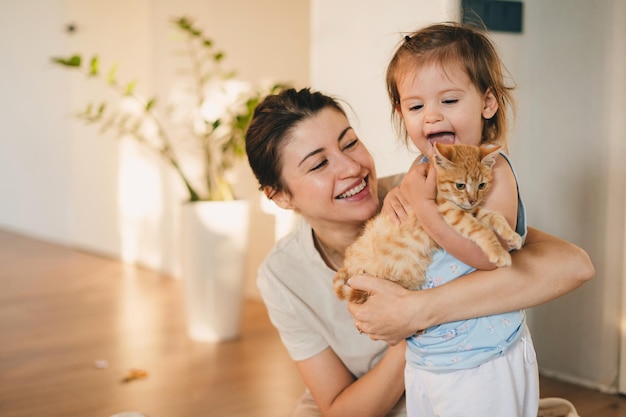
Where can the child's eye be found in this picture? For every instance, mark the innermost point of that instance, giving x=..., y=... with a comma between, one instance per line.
x=450, y=101
x=416, y=107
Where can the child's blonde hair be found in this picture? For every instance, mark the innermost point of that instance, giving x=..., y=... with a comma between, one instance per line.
x=454, y=44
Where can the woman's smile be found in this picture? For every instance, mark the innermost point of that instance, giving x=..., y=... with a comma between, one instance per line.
x=354, y=190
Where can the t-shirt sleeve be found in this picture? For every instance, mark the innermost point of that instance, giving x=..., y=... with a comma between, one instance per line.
x=288, y=315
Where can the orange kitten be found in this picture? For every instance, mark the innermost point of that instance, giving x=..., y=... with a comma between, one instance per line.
x=402, y=252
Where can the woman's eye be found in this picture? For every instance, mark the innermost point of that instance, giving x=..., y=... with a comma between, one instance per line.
x=320, y=165
x=351, y=144
x=459, y=186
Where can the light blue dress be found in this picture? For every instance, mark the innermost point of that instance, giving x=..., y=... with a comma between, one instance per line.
x=468, y=343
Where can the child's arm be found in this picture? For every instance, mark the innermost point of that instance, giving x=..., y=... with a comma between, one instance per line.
x=419, y=189
x=544, y=269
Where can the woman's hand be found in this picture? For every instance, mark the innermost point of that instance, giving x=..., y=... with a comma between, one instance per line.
x=389, y=312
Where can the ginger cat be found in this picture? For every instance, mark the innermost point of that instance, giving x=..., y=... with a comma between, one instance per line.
x=402, y=252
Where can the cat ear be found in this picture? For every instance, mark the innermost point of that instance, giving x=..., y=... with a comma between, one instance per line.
x=490, y=105
x=488, y=155
x=442, y=155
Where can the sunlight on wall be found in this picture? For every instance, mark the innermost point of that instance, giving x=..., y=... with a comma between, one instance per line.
x=139, y=314
x=140, y=204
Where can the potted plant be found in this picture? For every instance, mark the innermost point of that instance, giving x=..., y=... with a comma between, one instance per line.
x=214, y=111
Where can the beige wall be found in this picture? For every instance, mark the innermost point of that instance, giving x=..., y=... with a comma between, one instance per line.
x=567, y=145
x=62, y=181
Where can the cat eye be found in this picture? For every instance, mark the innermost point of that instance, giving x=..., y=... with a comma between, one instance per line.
x=482, y=186
x=460, y=186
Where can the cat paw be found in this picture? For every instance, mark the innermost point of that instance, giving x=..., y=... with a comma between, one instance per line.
x=358, y=296
x=501, y=259
x=515, y=242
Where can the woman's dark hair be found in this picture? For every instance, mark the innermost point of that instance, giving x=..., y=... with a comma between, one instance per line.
x=272, y=123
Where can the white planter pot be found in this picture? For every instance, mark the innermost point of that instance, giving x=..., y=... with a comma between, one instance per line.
x=214, y=243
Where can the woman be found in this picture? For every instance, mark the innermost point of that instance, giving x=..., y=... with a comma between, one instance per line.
x=307, y=158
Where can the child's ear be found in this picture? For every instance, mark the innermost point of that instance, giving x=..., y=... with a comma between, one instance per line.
x=399, y=109
x=281, y=198
x=490, y=106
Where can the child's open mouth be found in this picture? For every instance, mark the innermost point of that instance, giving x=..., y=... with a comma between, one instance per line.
x=441, y=137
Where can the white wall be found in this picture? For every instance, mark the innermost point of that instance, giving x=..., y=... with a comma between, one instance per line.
x=571, y=125
x=351, y=43
x=35, y=180
x=61, y=180
x=567, y=145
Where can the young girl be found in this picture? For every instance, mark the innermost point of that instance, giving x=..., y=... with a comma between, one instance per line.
x=446, y=84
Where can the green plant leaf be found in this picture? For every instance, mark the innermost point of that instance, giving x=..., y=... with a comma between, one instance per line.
x=130, y=88
x=112, y=74
x=93, y=66
x=183, y=23
x=73, y=61
x=150, y=103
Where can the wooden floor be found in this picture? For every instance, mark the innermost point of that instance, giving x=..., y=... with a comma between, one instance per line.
x=72, y=325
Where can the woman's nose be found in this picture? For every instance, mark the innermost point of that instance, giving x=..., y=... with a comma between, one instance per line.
x=348, y=166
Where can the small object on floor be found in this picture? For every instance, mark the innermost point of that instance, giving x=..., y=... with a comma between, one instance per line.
x=556, y=407
x=100, y=364
x=134, y=374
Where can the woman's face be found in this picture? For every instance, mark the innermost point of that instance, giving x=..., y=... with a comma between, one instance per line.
x=441, y=104
x=329, y=173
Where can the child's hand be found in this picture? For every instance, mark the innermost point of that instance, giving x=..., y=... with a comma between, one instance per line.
x=395, y=206
x=419, y=186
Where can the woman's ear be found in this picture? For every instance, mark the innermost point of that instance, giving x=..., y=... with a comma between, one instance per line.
x=281, y=198
x=490, y=106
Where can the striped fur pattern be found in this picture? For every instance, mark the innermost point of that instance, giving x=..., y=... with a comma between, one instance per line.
x=402, y=252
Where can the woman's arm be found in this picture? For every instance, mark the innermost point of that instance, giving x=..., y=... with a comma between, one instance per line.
x=338, y=393
x=544, y=269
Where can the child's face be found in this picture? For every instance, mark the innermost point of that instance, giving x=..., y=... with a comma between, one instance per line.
x=440, y=104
